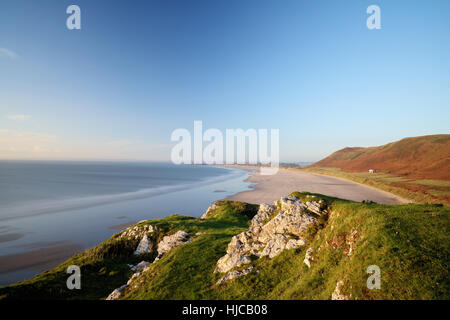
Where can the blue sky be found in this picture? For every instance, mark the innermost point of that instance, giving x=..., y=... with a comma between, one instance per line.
x=137, y=70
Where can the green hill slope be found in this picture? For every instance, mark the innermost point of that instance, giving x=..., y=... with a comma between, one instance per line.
x=408, y=242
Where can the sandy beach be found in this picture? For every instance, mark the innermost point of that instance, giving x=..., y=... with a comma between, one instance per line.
x=268, y=188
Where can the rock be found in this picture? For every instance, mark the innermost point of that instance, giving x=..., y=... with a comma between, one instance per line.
x=137, y=232
x=234, y=274
x=270, y=233
x=116, y=293
x=294, y=243
x=210, y=210
x=140, y=266
x=264, y=212
x=337, y=294
x=308, y=257
x=274, y=246
x=292, y=205
x=144, y=246
x=134, y=276
x=166, y=244
x=172, y=241
x=318, y=207
x=292, y=220
x=230, y=261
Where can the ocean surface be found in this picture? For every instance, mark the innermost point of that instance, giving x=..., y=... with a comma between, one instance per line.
x=50, y=210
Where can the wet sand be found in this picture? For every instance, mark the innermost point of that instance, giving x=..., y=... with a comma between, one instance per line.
x=268, y=188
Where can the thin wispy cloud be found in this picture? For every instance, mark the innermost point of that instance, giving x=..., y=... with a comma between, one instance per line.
x=19, y=117
x=8, y=53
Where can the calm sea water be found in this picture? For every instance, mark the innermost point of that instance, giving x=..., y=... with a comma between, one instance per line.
x=50, y=210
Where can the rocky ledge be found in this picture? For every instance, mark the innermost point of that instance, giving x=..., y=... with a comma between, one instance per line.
x=172, y=241
x=145, y=246
x=274, y=228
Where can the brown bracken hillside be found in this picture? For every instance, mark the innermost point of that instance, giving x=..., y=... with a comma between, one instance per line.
x=426, y=157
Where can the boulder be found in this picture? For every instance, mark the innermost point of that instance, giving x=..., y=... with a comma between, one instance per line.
x=172, y=241
x=308, y=257
x=144, y=246
x=230, y=261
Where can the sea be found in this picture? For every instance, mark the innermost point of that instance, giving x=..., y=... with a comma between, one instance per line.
x=50, y=210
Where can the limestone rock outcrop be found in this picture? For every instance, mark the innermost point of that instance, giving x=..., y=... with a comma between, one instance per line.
x=273, y=229
x=165, y=245
x=172, y=241
x=137, y=232
x=230, y=261
x=144, y=246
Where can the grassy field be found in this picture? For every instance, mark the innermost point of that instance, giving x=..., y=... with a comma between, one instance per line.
x=417, y=190
x=408, y=242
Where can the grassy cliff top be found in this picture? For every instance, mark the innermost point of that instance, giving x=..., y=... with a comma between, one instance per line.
x=408, y=242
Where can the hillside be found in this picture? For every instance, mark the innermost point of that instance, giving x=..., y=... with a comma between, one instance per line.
x=417, y=168
x=305, y=246
x=426, y=157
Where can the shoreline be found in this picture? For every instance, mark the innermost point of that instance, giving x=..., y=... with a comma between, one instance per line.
x=28, y=255
x=268, y=188
x=262, y=189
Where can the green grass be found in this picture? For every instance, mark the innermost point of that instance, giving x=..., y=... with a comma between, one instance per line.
x=408, y=242
x=433, y=183
x=103, y=268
